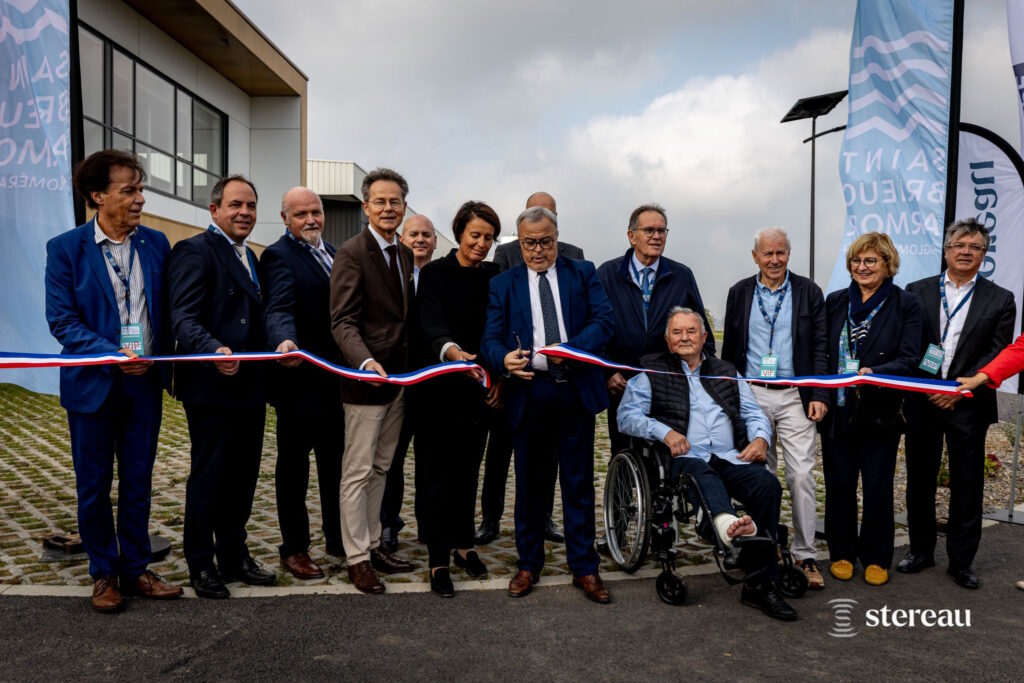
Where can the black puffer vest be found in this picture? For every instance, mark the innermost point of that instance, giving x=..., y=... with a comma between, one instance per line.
x=670, y=394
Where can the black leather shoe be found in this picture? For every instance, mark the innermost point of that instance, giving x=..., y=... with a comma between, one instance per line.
x=389, y=539
x=486, y=532
x=472, y=564
x=251, y=572
x=207, y=584
x=551, y=532
x=965, y=578
x=915, y=562
x=385, y=563
x=768, y=599
x=441, y=583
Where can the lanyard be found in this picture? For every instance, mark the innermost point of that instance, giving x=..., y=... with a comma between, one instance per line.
x=125, y=279
x=945, y=306
x=778, y=307
x=866, y=324
x=646, y=286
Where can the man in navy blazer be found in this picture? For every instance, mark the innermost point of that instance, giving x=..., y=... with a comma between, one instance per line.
x=104, y=294
x=775, y=327
x=295, y=272
x=216, y=307
x=550, y=404
x=643, y=285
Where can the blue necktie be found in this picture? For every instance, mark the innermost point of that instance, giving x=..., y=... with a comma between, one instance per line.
x=645, y=289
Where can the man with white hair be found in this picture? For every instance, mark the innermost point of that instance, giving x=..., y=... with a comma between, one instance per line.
x=775, y=327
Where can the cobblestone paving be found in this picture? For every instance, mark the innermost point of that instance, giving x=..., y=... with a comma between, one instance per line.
x=37, y=500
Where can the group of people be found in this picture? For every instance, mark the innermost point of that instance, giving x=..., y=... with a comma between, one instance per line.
x=381, y=303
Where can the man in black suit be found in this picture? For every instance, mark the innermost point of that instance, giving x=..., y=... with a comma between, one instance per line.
x=499, y=442
x=418, y=234
x=216, y=307
x=775, y=327
x=967, y=322
x=295, y=272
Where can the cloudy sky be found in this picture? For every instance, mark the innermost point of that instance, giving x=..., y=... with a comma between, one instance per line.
x=606, y=106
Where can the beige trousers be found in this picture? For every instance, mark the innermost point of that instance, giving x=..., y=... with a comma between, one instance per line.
x=371, y=435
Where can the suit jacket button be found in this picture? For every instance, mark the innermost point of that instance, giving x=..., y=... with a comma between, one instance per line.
x=242, y=321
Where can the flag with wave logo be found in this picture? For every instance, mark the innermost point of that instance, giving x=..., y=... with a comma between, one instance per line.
x=893, y=161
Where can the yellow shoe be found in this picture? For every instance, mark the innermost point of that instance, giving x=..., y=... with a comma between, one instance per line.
x=842, y=570
x=875, y=575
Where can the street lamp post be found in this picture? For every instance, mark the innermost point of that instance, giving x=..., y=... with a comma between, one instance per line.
x=811, y=108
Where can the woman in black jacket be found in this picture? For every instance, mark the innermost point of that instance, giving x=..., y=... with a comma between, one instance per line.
x=452, y=300
x=873, y=327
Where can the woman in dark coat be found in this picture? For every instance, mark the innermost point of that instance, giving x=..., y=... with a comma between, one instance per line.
x=450, y=439
x=873, y=326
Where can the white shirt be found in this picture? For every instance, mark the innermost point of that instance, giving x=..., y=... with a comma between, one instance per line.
x=415, y=278
x=539, y=341
x=139, y=307
x=954, y=295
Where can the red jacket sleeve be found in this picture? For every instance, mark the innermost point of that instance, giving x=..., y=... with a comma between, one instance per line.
x=1008, y=363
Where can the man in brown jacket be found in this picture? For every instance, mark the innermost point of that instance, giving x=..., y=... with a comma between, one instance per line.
x=371, y=283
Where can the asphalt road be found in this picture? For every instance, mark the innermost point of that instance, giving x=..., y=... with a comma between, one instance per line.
x=553, y=634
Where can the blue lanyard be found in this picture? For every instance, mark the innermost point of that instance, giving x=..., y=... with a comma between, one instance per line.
x=866, y=324
x=945, y=305
x=644, y=291
x=778, y=308
x=125, y=279
x=248, y=256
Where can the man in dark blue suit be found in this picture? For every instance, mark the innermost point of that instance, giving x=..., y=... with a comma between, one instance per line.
x=295, y=273
x=216, y=307
x=104, y=294
x=550, y=404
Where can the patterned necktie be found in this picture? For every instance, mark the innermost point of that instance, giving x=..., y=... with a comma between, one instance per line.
x=392, y=250
x=323, y=258
x=244, y=258
x=550, y=315
x=645, y=289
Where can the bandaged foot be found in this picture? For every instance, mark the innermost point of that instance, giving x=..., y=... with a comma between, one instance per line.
x=730, y=526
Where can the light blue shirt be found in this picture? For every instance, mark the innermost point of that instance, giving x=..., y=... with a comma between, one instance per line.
x=709, y=430
x=637, y=271
x=759, y=331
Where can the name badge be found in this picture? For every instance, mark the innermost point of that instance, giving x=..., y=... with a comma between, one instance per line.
x=933, y=358
x=769, y=366
x=852, y=366
x=131, y=338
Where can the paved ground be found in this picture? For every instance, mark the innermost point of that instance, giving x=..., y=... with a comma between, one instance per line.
x=553, y=634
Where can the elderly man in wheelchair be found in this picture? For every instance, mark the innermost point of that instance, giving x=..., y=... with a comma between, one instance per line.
x=699, y=442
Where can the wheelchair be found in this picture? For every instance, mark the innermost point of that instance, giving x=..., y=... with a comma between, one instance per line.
x=643, y=504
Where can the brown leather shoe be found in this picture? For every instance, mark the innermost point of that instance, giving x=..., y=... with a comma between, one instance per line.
x=522, y=583
x=593, y=587
x=105, y=595
x=364, y=578
x=149, y=584
x=388, y=564
x=302, y=566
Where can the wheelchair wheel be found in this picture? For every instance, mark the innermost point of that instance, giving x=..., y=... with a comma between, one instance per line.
x=671, y=588
x=792, y=581
x=627, y=510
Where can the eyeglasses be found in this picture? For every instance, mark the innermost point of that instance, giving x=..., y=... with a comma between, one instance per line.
x=532, y=245
x=393, y=203
x=869, y=262
x=651, y=232
x=973, y=248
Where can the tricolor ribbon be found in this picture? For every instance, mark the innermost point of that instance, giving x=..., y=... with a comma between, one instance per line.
x=51, y=360
x=921, y=385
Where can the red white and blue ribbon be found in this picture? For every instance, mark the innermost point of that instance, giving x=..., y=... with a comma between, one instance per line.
x=918, y=384
x=50, y=360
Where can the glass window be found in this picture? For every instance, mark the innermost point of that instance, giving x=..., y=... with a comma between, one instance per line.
x=184, y=189
x=184, y=126
x=93, y=134
x=90, y=54
x=154, y=109
x=209, y=138
x=123, y=142
x=123, y=88
x=159, y=167
x=202, y=185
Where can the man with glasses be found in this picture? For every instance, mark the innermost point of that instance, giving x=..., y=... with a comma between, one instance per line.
x=371, y=286
x=643, y=285
x=775, y=327
x=550, y=404
x=967, y=322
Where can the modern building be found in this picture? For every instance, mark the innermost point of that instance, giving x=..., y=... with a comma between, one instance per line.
x=197, y=92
